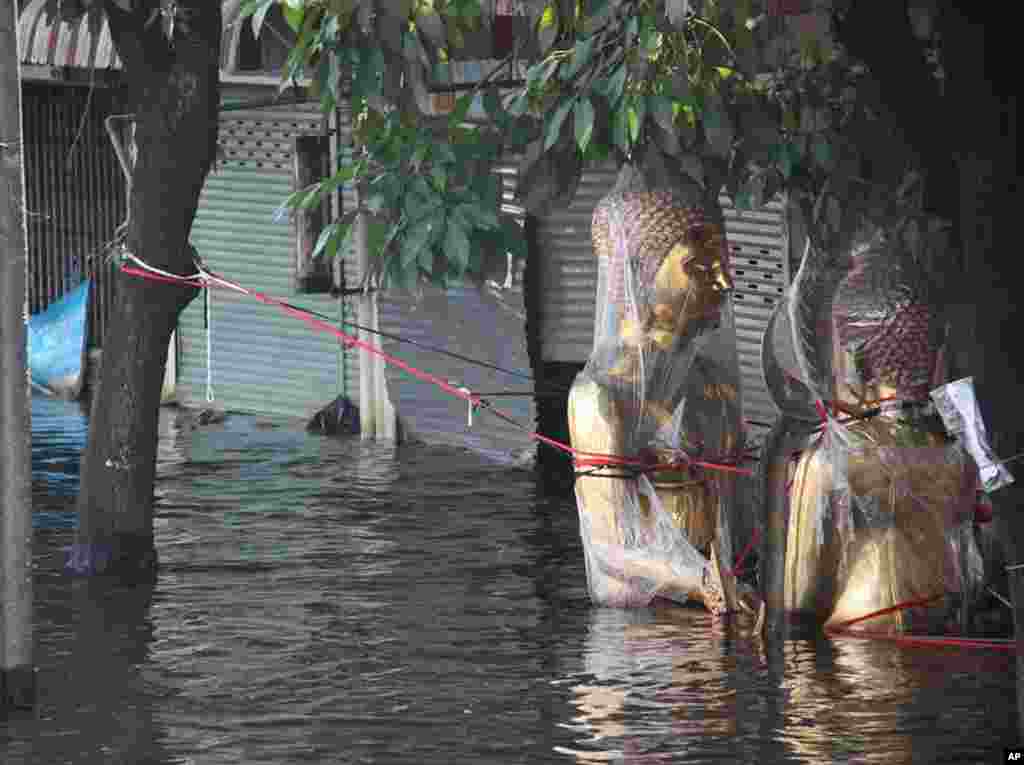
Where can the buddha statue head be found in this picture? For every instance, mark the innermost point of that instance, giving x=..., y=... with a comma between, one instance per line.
x=666, y=267
x=887, y=332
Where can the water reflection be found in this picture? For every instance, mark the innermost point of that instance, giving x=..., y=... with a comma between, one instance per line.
x=661, y=686
x=59, y=431
x=332, y=601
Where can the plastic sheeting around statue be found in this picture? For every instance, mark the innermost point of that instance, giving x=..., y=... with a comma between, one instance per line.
x=661, y=385
x=877, y=496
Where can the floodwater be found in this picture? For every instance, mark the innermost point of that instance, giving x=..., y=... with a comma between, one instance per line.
x=329, y=601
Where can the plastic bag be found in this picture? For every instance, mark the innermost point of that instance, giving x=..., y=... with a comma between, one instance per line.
x=658, y=387
x=877, y=493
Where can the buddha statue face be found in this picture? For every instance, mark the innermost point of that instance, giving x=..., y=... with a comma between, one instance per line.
x=691, y=281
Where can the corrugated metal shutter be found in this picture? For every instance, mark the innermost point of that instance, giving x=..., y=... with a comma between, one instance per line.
x=263, y=360
x=487, y=324
x=759, y=248
x=568, y=271
x=54, y=42
x=569, y=282
x=75, y=194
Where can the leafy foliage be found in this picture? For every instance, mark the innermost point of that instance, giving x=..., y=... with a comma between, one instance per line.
x=706, y=84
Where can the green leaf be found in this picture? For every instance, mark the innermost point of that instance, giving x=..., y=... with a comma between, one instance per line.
x=330, y=233
x=456, y=246
x=789, y=157
x=425, y=259
x=620, y=130
x=582, y=53
x=633, y=121
x=596, y=152
x=376, y=204
x=369, y=69
x=476, y=216
x=718, y=127
x=439, y=173
x=379, y=236
x=294, y=16
x=520, y=104
x=493, y=107
x=640, y=107
x=547, y=28
x=547, y=18
x=615, y=85
x=554, y=126
x=662, y=111
x=822, y=151
x=632, y=27
x=584, y=117
x=597, y=11
x=513, y=237
x=258, y=10
x=462, y=105
x=327, y=76
x=649, y=35
x=417, y=237
x=725, y=72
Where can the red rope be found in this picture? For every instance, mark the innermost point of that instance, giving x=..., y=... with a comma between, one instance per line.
x=182, y=280
x=738, y=567
x=931, y=641
x=934, y=641
x=906, y=604
x=583, y=458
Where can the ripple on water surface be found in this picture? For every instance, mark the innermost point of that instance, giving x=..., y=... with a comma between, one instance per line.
x=335, y=601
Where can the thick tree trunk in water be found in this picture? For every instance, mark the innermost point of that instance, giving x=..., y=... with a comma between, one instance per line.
x=976, y=158
x=176, y=87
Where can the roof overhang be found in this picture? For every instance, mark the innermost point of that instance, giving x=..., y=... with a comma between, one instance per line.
x=56, y=49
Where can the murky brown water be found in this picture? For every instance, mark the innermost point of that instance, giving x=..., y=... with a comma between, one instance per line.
x=327, y=601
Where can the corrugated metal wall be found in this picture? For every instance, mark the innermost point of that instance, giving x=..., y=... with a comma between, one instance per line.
x=75, y=194
x=568, y=275
x=568, y=271
x=759, y=249
x=486, y=323
x=262, y=360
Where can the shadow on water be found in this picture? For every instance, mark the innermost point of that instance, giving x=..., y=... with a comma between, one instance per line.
x=336, y=601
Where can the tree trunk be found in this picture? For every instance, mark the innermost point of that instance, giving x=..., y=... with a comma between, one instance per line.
x=17, y=678
x=176, y=87
x=976, y=156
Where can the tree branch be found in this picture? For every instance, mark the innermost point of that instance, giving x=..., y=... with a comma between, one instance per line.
x=878, y=32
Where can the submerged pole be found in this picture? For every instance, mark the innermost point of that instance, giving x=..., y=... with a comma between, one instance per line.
x=1015, y=573
x=16, y=670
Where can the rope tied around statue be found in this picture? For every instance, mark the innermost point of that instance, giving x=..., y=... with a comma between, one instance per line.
x=204, y=278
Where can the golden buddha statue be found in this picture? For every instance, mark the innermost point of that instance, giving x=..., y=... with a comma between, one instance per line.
x=648, y=393
x=874, y=494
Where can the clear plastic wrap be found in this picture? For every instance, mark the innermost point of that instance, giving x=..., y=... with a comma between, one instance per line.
x=656, y=388
x=877, y=495
x=959, y=410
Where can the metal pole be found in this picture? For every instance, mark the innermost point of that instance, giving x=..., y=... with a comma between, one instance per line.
x=16, y=667
x=367, y=405
x=1015, y=573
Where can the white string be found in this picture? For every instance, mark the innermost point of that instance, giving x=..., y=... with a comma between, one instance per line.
x=209, y=345
x=198, y=276
x=469, y=400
